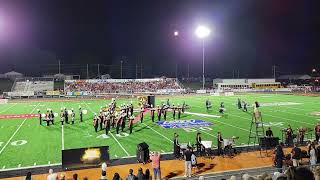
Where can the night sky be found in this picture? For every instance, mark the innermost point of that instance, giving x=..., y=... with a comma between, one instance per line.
x=248, y=36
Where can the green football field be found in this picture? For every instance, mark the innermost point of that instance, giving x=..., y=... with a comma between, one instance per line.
x=23, y=142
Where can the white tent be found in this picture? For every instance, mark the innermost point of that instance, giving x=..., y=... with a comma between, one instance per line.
x=13, y=75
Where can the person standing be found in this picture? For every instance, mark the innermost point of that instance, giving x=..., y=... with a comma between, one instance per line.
x=118, y=124
x=62, y=117
x=198, y=143
x=66, y=115
x=123, y=123
x=220, y=144
x=141, y=114
x=279, y=157
x=313, y=155
x=187, y=165
x=179, y=113
x=101, y=119
x=47, y=118
x=52, y=117
x=295, y=155
x=40, y=116
x=176, y=146
x=95, y=122
x=159, y=113
x=174, y=112
x=81, y=114
x=131, y=176
x=131, y=118
x=107, y=124
x=152, y=113
x=317, y=131
x=28, y=176
x=155, y=158
x=269, y=132
x=72, y=116
x=164, y=113
x=289, y=136
x=245, y=106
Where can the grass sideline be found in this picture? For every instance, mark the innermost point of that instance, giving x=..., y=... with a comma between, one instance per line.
x=23, y=142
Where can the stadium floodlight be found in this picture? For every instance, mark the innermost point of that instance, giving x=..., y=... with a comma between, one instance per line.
x=314, y=70
x=202, y=32
x=176, y=33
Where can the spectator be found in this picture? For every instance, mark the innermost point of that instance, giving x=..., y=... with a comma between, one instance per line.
x=131, y=176
x=75, y=176
x=116, y=176
x=295, y=155
x=85, y=178
x=317, y=173
x=313, y=155
x=52, y=176
x=279, y=156
x=62, y=176
x=187, y=156
x=28, y=176
x=147, y=175
x=298, y=173
x=155, y=158
x=140, y=174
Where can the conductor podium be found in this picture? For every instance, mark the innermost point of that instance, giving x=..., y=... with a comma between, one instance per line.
x=143, y=152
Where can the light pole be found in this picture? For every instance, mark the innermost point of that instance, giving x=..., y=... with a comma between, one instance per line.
x=176, y=34
x=202, y=32
x=121, y=69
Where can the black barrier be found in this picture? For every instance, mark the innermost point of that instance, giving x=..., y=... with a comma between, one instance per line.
x=85, y=157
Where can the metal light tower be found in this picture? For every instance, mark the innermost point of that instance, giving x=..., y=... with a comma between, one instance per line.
x=202, y=32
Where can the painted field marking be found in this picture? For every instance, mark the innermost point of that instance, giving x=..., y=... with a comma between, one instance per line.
x=3, y=167
x=158, y=133
x=34, y=164
x=110, y=133
x=120, y=144
x=9, y=108
x=162, y=151
x=204, y=115
x=49, y=162
x=16, y=131
x=115, y=155
x=19, y=165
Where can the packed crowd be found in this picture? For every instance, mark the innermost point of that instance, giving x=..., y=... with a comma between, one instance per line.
x=121, y=86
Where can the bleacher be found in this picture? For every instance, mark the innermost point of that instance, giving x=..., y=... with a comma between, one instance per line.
x=33, y=84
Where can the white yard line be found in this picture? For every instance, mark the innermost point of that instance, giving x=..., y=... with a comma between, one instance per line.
x=120, y=144
x=17, y=130
x=205, y=115
x=28, y=167
x=158, y=133
x=110, y=133
x=9, y=108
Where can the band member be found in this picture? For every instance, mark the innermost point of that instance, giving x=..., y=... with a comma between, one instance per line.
x=176, y=146
x=221, y=109
x=81, y=114
x=183, y=106
x=301, y=132
x=66, y=115
x=245, y=106
x=141, y=114
x=101, y=119
x=95, y=122
x=164, y=110
x=131, y=109
x=123, y=123
x=40, y=117
x=159, y=113
x=62, y=116
x=198, y=143
x=220, y=143
x=239, y=104
x=168, y=103
x=179, y=112
x=289, y=136
x=47, y=118
x=131, y=118
x=257, y=104
x=208, y=104
x=118, y=123
x=113, y=118
x=152, y=113
x=269, y=132
x=72, y=116
x=51, y=116
x=174, y=112
x=317, y=131
x=107, y=124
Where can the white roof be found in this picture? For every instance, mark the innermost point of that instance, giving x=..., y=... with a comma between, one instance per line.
x=12, y=73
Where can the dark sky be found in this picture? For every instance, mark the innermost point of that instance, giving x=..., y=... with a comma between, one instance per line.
x=248, y=36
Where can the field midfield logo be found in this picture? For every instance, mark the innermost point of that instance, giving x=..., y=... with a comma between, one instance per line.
x=184, y=123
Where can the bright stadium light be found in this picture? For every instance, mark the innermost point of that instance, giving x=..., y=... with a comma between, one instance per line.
x=314, y=70
x=202, y=32
x=176, y=33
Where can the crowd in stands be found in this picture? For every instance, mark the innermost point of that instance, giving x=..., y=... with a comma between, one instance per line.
x=121, y=86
